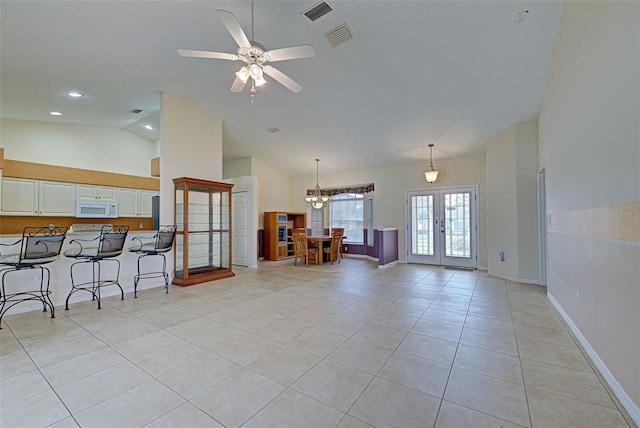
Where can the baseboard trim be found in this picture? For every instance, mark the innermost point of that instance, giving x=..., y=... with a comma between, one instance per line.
x=513, y=279
x=632, y=409
x=388, y=265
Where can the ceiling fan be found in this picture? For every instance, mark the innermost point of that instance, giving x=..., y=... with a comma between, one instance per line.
x=254, y=55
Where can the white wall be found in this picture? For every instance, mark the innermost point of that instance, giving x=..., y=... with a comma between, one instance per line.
x=191, y=146
x=237, y=168
x=275, y=189
x=390, y=186
x=502, y=211
x=590, y=143
x=512, y=158
x=77, y=146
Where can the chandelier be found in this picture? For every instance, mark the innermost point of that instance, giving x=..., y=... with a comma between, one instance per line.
x=317, y=201
x=431, y=174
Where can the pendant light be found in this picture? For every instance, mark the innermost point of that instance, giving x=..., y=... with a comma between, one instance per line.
x=431, y=174
x=317, y=201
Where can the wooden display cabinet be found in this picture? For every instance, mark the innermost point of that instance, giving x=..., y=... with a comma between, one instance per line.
x=277, y=233
x=203, y=236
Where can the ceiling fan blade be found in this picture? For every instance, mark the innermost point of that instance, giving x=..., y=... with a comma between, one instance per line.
x=238, y=85
x=207, y=54
x=285, y=80
x=294, y=52
x=229, y=20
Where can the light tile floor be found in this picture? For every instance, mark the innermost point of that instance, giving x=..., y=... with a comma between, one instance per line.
x=346, y=345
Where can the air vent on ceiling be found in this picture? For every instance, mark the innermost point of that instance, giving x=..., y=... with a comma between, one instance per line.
x=521, y=16
x=136, y=111
x=318, y=11
x=273, y=130
x=339, y=35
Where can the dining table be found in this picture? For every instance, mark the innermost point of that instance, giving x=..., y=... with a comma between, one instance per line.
x=317, y=242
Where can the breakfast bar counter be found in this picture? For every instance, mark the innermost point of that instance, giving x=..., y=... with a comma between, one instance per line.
x=60, y=279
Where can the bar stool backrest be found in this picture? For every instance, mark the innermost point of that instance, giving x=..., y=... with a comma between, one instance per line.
x=112, y=240
x=41, y=243
x=165, y=237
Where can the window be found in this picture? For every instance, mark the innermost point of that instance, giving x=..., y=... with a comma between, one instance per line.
x=347, y=211
x=317, y=222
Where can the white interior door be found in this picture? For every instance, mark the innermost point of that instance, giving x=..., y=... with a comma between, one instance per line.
x=441, y=227
x=239, y=219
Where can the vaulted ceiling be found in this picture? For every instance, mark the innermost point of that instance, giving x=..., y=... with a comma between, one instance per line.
x=451, y=73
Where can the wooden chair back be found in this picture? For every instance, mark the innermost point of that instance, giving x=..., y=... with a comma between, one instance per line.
x=334, y=249
x=301, y=247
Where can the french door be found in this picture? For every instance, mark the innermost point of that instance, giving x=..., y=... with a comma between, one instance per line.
x=441, y=227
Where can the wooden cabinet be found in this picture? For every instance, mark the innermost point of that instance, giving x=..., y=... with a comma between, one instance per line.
x=203, y=237
x=277, y=233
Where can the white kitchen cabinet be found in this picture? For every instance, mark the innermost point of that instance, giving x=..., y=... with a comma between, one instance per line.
x=127, y=202
x=135, y=202
x=145, y=207
x=91, y=191
x=19, y=196
x=56, y=199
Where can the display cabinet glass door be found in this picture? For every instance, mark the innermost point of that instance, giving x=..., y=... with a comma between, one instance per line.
x=203, y=241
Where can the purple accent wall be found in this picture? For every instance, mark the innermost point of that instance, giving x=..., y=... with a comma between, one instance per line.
x=357, y=248
x=387, y=246
x=373, y=251
x=260, y=243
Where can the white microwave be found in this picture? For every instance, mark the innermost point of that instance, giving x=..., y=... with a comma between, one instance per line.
x=96, y=208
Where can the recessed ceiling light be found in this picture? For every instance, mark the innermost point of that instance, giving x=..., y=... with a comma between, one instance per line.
x=149, y=127
x=74, y=94
x=55, y=113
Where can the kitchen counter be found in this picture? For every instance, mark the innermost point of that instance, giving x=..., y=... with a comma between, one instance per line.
x=60, y=282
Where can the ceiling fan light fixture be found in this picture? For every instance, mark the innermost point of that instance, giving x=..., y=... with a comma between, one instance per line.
x=255, y=71
x=243, y=74
x=260, y=81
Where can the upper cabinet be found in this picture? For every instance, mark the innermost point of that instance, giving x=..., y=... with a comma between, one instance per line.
x=91, y=191
x=135, y=202
x=56, y=199
x=19, y=196
x=27, y=197
x=34, y=197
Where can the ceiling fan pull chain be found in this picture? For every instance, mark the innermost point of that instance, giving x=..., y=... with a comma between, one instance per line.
x=253, y=90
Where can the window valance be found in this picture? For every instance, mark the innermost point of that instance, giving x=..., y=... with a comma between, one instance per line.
x=359, y=188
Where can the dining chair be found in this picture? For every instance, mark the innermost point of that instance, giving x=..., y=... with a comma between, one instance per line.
x=108, y=245
x=333, y=251
x=156, y=245
x=38, y=246
x=301, y=248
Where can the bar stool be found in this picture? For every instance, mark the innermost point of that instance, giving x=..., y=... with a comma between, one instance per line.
x=109, y=246
x=162, y=243
x=38, y=246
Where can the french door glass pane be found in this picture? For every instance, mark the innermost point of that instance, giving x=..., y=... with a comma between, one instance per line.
x=457, y=222
x=422, y=225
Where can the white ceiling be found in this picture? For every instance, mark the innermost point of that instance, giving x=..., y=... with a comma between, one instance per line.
x=452, y=73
